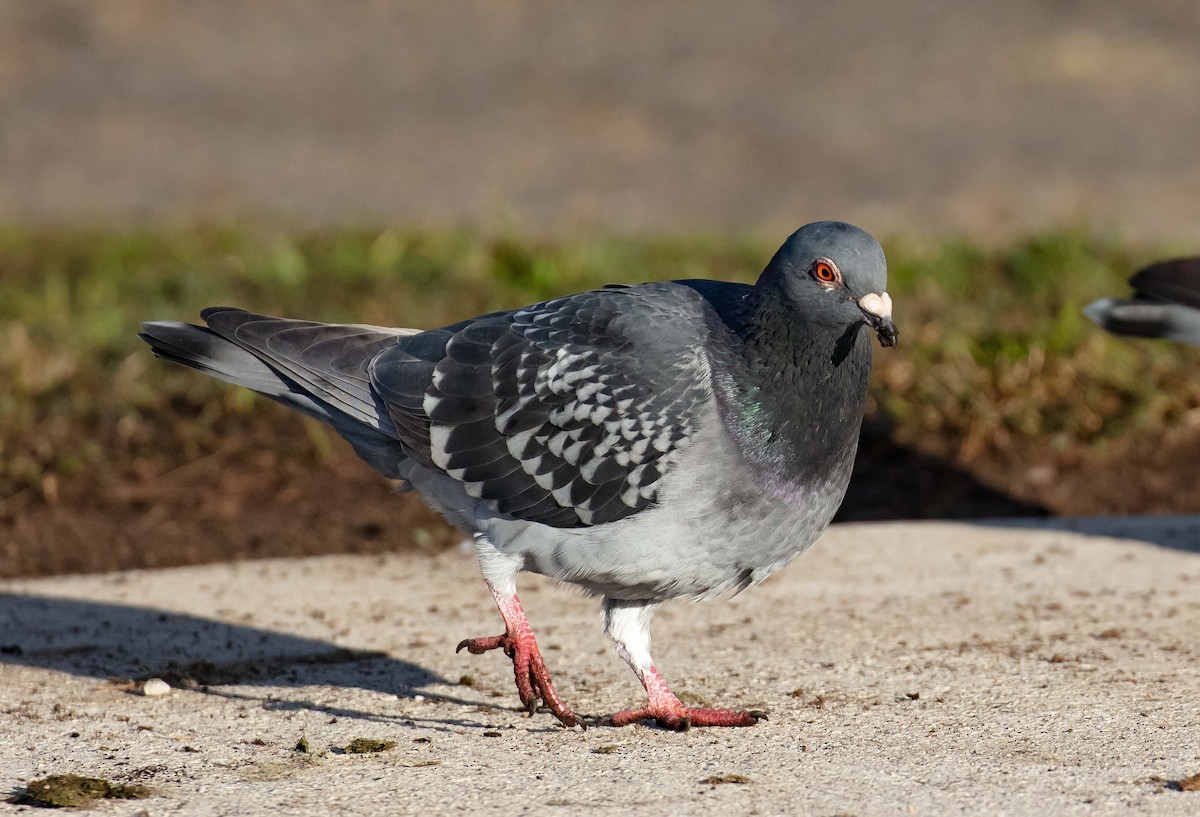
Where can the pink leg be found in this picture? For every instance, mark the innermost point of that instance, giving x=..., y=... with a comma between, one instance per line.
x=518, y=643
x=628, y=624
x=670, y=712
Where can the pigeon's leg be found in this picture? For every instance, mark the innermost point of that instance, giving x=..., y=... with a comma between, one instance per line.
x=628, y=624
x=517, y=641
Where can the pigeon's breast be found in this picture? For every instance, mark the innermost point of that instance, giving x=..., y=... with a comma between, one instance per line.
x=718, y=525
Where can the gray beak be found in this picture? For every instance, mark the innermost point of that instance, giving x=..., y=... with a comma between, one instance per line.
x=878, y=311
x=886, y=329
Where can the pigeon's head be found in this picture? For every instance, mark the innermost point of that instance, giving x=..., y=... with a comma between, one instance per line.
x=835, y=274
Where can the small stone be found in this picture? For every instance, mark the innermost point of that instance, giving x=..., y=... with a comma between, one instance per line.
x=364, y=746
x=155, y=687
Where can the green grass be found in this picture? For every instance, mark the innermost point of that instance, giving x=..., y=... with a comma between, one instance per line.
x=993, y=346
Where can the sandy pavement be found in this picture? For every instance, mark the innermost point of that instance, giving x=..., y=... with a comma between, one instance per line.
x=915, y=668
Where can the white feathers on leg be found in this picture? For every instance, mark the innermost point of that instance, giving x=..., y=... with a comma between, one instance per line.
x=628, y=625
x=499, y=569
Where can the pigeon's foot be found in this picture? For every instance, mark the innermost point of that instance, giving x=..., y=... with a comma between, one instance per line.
x=670, y=713
x=518, y=643
x=683, y=718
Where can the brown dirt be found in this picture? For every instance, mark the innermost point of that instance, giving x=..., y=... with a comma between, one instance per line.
x=242, y=502
x=248, y=500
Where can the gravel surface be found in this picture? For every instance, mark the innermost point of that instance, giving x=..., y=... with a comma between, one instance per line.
x=912, y=668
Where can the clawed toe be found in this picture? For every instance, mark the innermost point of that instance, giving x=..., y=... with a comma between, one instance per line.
x=533, y=681
x=478, y=646
x=684, y=718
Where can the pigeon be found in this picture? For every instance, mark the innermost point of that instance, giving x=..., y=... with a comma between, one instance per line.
x=1166, y=303
x=644, y=442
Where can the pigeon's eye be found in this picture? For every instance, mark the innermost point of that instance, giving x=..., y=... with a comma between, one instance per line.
x=825, y=272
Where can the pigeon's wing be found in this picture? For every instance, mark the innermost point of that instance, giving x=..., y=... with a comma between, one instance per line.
x=1177, y=281
x=327, y=361
x=567, y=412
x=317, y=369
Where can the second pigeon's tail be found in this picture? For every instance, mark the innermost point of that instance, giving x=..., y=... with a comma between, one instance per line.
x=320, y=370
x=1166, y=303
x=1176, y=281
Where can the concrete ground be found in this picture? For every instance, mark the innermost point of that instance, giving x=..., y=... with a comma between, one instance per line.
x=915, y=668
x=936, y=116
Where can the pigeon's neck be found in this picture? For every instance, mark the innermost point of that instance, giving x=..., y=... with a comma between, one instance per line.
x=794, y=400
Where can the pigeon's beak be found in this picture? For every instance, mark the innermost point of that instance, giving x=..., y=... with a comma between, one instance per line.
x=878, y=309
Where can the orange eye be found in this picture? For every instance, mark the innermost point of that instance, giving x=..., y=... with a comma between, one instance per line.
x=825, y=272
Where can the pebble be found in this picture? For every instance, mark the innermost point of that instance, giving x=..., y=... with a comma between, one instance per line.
x=154, y=687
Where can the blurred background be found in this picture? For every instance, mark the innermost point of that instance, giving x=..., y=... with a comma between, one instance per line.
x=414, y=163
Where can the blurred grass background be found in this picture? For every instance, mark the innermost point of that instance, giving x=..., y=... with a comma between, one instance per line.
x=993, y=345
x=997, y=372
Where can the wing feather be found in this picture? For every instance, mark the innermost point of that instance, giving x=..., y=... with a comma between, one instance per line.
x=568, y=412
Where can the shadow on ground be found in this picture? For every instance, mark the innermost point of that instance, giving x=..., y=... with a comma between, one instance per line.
x=127, y=644
x=1174, y=532
x=894, y=481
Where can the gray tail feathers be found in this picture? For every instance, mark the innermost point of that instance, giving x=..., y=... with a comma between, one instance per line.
x=320, y=370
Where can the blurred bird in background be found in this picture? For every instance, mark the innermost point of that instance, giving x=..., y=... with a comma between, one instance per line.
x=1165, y=303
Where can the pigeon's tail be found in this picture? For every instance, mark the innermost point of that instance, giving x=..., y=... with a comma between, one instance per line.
x=320, y=370
x=1166, y=304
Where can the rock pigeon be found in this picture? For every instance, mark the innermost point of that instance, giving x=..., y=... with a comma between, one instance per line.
x=645, y=442
x=1165, y=304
